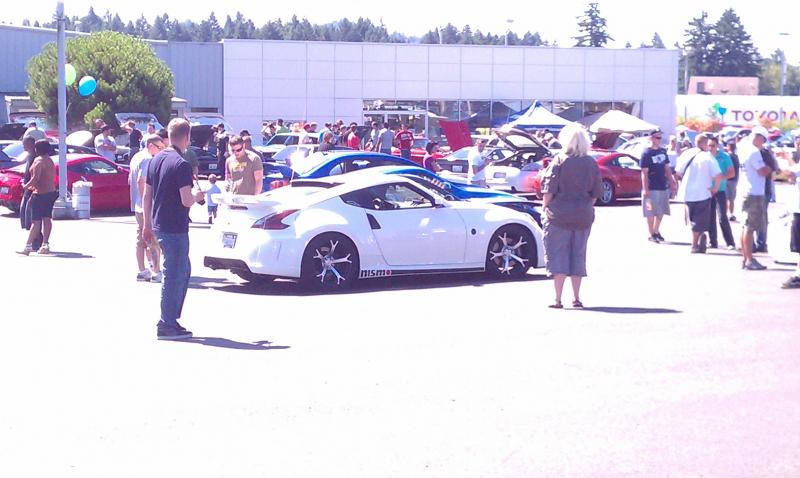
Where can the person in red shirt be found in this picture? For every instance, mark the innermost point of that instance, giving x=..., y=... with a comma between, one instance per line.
x=353, y=141
x=406, y=139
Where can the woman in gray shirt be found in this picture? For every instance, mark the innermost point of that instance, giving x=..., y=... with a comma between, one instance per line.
x=570, y=186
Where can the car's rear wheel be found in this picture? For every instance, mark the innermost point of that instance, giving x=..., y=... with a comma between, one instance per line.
x=607, y=195
x=254, y=278
x=330, y=263
x=511, y=252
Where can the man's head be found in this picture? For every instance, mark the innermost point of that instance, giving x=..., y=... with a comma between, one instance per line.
x=237, y=146
x=162, y=133
x=713, y=144
x=151, y=128
x=28, y=143
x=42, y=147
x=212, y=178
x=307, y=127
x=312, y=126
x=374, y=125
x=328, y=125
x=32, y=124
x=759, y=136
x=221, y=128
x=280, y=121
x=701, y=141
x=655, y=138
x=179, y=132
x=480, y=144
x=403, y=126
x=130, y=125
x=353, y=128
x=432, y=147
x=106, y=130
x=327, y=137
x=154, y=143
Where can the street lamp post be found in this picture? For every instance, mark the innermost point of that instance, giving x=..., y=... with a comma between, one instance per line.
x=783, y=64
x=62, y=209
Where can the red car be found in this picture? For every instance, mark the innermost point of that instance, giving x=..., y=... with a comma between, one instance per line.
x=417, y=150
x=109, y=191
x=622, y=176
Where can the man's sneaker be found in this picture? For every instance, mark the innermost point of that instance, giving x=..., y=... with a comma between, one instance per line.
x=702, y=245
x=45, y=249
x=791, y=283
x=173, y=333
x=26, y=251
x=697, y=250
x=732, y=218
x=653, y=238
x=157, y=277
x=210, y=220
x=754, y=265
x=660, y=237
x=144, y=276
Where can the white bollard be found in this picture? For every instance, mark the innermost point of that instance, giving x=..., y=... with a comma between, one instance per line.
x=81, y=199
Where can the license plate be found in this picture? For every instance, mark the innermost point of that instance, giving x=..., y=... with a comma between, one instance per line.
x=229, y=240
x=4, y=190
x=458, y=169
x=212, y=166
x=499, y=175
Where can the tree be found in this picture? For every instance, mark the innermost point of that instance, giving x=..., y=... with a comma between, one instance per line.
x=26, y=23
x=159, y=30
x=593, y=28
x=657, y=41
x=129, y=75
x=116, y=24
x=142, y=27
x=699, y=42
x=91, y=22
x=770, y=77
x=732, y=53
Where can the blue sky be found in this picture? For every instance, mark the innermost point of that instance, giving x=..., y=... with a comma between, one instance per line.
x=627, y=21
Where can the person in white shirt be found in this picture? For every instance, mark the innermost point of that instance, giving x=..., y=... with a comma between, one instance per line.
x=793, y=282
x=477, y=165
x=105, y=145
x=752, y=188
x=385, y=140
x=34, y=132
x=136, y=179
x=701, y=178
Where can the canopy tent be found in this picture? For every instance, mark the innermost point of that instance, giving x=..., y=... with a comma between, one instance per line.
x=616, y=121
x=538, y=117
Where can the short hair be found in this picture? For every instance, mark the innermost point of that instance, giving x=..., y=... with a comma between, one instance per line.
x=151, y=124
x=328, y=125
x=162, y=133
x=244, y=132
x=32, y=124
x=178, y=128
x=280, y=120
x=327, y=136
x=42, y=147
x=221, y=127
x=152, y=139
x=235, y=140
x=28, y=139
x=131, y=123
x=701, y=138
x=713, y=139
x=386, y=125
x=105, y=127
x=574, y=140
x=429, y=147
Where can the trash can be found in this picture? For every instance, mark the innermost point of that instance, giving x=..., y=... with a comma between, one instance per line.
x=81, y=200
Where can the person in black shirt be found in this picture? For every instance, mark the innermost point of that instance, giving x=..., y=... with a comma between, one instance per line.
x=135, y=139
x=222, y=146
x=657, y=182
x=167, y=198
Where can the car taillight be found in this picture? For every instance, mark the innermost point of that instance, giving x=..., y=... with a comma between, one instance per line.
x=278, y=183
x=274, y=221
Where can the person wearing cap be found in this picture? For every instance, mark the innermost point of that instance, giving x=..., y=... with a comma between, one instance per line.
x=428, y=161
x=752, y=185
x=700, y=179
x=657, y=184
x=34, y=132
x=140, y=161
x=105, y=145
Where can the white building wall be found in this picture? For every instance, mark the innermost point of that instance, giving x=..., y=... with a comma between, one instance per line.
x=325, y=81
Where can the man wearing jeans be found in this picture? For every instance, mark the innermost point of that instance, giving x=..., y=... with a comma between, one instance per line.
x=720, y=200
x=167, y=198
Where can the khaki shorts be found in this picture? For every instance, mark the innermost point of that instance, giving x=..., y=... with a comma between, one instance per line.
x=755, y=210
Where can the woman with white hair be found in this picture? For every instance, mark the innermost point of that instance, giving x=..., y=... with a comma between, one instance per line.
x=570, y=187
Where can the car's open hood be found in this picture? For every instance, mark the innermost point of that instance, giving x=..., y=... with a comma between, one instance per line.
x=517, y=139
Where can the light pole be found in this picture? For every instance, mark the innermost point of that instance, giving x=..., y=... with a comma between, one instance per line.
x=62, y=209
x=508, y=29
x=783, y=63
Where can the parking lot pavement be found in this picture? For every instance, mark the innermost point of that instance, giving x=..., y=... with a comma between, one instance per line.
x=682, y=365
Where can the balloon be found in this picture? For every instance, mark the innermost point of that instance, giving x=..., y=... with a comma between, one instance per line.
x=716, y=106
x=70, y=74
x=722, y=111
x=87, y=85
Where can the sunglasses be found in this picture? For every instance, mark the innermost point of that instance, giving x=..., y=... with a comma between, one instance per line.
x=237, y=150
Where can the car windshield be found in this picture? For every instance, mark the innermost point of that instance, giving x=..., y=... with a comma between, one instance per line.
x=420, y=143
x=292, y=154
x=279, y=139
x=436, y=185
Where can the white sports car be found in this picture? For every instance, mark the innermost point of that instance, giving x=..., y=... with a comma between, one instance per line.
x=330, y=232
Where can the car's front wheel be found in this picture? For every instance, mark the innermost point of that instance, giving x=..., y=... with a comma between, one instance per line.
x=511, y=252
x=330, y=263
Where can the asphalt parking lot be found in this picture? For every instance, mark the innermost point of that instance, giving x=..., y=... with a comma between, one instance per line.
x=681, y=365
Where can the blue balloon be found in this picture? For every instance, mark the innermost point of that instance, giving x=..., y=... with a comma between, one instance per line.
x=87, y=85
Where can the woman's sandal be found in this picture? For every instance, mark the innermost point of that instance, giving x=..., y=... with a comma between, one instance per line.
x=557, y=305
x=577, y=304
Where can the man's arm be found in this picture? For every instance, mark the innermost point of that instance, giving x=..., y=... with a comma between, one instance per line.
x=717, y=182
x=34, y=180
x=645, y=182
x=673, y=184
x=259, y=175
x=147, y=205
x=764, y=171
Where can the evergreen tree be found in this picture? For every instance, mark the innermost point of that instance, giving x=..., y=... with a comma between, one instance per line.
x=732, y=53
x=628, y=44
x=699, y=42
x=91, y=22
x=272, y=30
x=449, y=34
x=657, y=42
x=593, y=28
x=26, y=23
x=159, y=31
x=533, y=39
x=130, y=29
x=228, y=31
x=116, y=24
x=36, y=24
x=214, y=28
x=430, y=38
x=466, y=36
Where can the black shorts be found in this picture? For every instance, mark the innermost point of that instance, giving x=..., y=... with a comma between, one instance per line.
x=41, y=205
x=700, y=215
x=795, y=240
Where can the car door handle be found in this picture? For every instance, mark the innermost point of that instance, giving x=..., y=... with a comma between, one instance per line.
x=373, y=223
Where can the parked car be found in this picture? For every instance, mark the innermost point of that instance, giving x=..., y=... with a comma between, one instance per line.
x=418, y=150
x=329, y=233
x=85, y=139
x=621, y=175
x=110, y=190
x=15, y=149
x=280, y=141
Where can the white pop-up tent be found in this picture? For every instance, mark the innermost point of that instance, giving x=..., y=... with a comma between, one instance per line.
x=616, y=121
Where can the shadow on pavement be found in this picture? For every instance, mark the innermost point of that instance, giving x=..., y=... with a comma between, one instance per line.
x=444, y=281
x=201, y=282
x=63, y=255
x=232, y=344
x=632, y=310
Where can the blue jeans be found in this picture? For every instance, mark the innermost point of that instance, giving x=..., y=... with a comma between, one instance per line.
x=177, y=270
x=406, y=153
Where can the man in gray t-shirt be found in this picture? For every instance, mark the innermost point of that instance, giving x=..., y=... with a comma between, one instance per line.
x=105, y=145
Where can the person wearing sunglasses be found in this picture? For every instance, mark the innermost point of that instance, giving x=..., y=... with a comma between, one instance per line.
x=657, y=183
x=244, y=171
